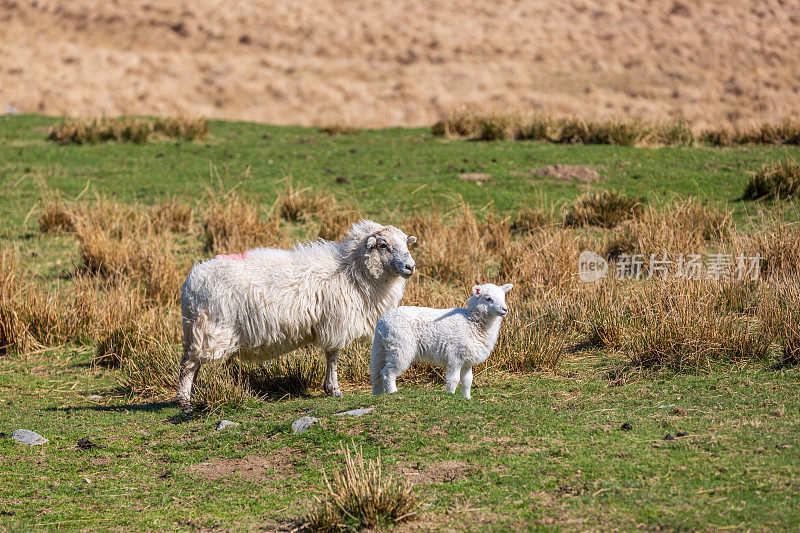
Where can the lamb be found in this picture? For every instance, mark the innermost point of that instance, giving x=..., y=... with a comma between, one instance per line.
x=267, y=302
x=455, y=339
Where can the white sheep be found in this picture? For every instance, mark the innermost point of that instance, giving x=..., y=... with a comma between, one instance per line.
x=266, y=302
x=455, y=339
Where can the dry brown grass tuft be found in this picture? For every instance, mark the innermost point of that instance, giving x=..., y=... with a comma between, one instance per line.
x=299, y=204
x=777, y=180
x=470, y=123
x=232, y=224
x=785, y=132
x=127, y=129
x=603, y=208
x=56, y=216
x=681, y=227
x=361, y=496
x=182, y=128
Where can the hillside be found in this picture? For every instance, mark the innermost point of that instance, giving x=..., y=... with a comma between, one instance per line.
x=400, y=63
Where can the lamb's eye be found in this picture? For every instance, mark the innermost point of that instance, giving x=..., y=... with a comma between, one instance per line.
x=383, y=246
x=488, y=299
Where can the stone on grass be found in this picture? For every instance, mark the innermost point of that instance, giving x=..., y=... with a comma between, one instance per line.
x=356, y=412
x=28, y=437
x=95, y=398
x=626, y=427
x=302, y=425
x=225, y=424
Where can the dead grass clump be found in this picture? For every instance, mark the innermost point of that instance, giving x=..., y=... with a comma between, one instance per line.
x=300, y=204
x=603, y=208
x=783, y=133
x=461, y=123
x=473, y=124
x=361, y=496
x=777, y=180
x=94, y=131
x=182, y=128
x=172, y=215
x=127, y=129
x=232, y=224
x=56, y=216
x=680, y=227
x=676, y=326
x=141, y=255
x=529, y=220
x=622, y=132
x=30, y=318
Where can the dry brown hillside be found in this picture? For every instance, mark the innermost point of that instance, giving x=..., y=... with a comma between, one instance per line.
x=404, y=62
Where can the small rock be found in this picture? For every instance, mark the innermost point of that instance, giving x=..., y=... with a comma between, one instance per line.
x=681, y=434
x=3, y=435
x=7, y=513
x=783, y=446
x=87, y=481
x=668, y=437
x=626, y=427
x=11, y=110
x=28, y=437
x=356, y=412
x=225, y=424
x=85, y=444
x=670, y=406
x=302, y=425
x=94, y=398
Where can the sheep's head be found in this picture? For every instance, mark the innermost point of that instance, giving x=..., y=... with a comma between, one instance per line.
x=386, y=253
x=490, y=299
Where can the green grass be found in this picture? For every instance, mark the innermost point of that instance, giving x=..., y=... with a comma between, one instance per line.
x=530, y=451
x=526, y=452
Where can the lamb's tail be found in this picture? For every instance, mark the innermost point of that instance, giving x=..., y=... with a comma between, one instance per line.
x=377, y=360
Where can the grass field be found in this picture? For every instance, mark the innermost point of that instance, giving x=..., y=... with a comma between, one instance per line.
x=538, y=447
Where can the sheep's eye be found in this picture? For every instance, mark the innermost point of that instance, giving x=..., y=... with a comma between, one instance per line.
x=488, y=299
x=382, y=246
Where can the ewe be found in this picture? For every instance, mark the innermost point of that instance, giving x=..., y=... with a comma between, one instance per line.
x=455, y=339
x=267, y=302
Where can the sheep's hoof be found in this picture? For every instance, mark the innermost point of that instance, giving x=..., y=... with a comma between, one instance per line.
x=184, y=405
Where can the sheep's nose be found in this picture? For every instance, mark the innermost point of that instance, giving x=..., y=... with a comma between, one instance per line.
x=410, y=267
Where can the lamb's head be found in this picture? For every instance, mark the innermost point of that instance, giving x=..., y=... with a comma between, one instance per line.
x=384, y=250
x=490, y=299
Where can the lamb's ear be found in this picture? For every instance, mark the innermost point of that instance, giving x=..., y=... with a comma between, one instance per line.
x=507, y=287
x=371, y=240
x=476, y=290
x=411, y=240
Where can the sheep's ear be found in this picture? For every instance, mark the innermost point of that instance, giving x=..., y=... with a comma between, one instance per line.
x=507, y=287
x=411, y=240
x=476, y=290
x=371, y=240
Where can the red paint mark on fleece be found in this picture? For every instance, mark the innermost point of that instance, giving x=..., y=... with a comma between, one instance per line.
x=233, y=257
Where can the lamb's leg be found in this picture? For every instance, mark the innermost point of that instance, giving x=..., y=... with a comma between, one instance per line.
x=189, y=368
x=331, y=385
x=451, y=375
x=466, y=381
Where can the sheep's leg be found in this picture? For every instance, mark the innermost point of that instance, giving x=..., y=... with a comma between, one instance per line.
x=331, y=385
x=189, y=368
x=466, y=381
x=389, y=381
x=451, y=376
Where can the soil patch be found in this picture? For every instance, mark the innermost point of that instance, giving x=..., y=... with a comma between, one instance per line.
x=276, y=465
